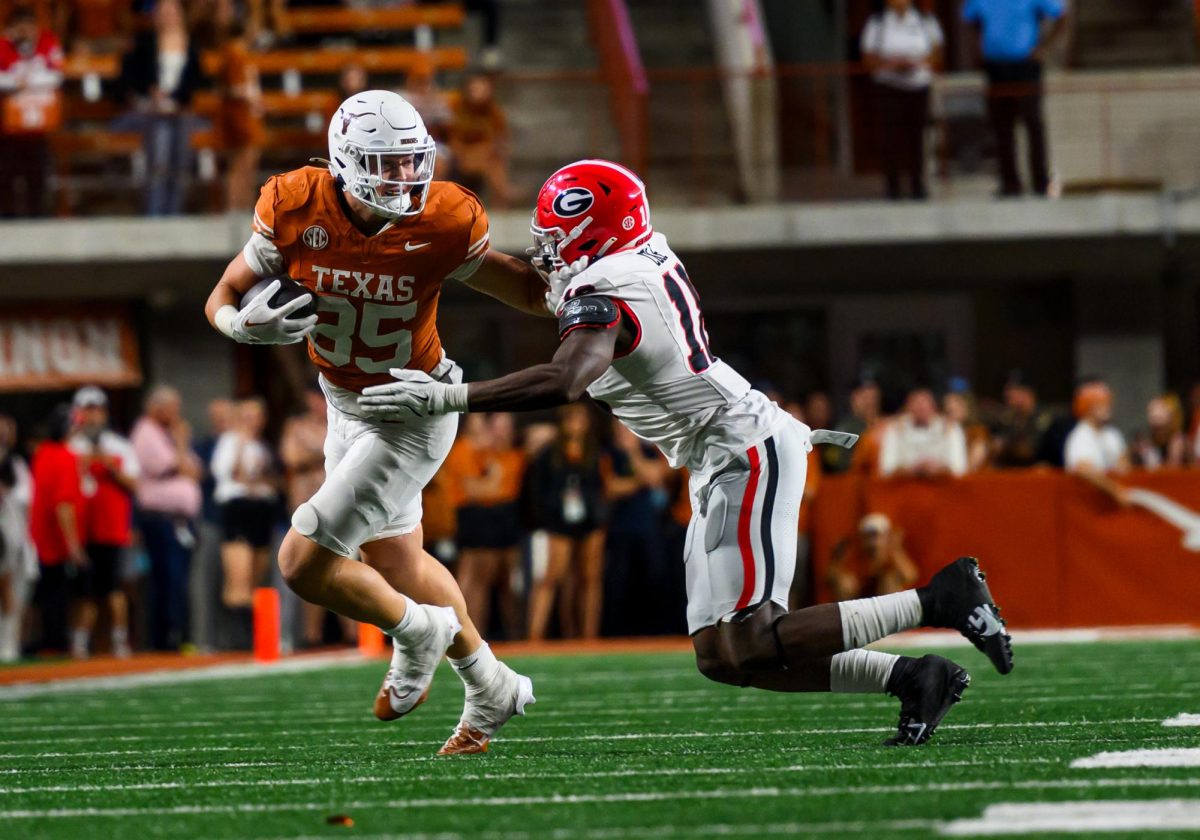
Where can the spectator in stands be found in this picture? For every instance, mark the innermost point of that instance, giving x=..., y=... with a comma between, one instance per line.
x=1018, y=432
x=302, y=451
x=18, y=557
x=637, y=572
x=168, y=500
x=490, y=468
x=1095, y=449
x=206, y=563
x=902, y=47
x=1163, y=443
x=922, y=444
x=865, y=402
x=109, y=472
x=432, y=103
x=1012, y=47
x=241, y=118
x=876, y=564
x=958, y=407
x=479, y=140
x=352, y=79
x=818, y=410
x=31, y=62
x=56, y=526
x=568, y=495
x=246, y=492
x=159, y=76
x=489, y=11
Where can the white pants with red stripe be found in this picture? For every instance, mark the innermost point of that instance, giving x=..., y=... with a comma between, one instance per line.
x=741, y=542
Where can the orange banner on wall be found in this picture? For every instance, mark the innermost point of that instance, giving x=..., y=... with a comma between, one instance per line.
x=45, y=348
x=1057, y=551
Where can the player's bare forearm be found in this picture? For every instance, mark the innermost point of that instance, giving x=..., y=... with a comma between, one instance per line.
x=238, y=279
x=582, y=357
x=511, y=281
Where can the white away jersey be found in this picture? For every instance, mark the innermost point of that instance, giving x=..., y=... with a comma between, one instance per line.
x=668, y=388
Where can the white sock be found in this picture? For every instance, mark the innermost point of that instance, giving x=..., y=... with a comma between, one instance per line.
x=860, y=671
x=414, y=627
x=79, y=641
x=120, y=636
x=477, y=669
x=9, y=628
x=871, y=619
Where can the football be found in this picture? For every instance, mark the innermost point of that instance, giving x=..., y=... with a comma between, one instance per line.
x=288, y=290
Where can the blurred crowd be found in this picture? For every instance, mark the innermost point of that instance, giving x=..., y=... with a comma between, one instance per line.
x=168, y=51
x=570, y=527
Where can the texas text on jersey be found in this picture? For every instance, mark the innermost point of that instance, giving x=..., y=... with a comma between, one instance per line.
x=377, y=295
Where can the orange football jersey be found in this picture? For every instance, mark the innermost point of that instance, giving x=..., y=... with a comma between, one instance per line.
x=377, y=296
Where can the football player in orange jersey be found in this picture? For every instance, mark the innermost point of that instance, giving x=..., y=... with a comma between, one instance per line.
x=373, y=237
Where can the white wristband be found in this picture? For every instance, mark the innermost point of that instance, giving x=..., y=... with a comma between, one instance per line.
x=456, y=398
x=223, y=320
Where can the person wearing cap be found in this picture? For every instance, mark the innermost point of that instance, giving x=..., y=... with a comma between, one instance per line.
x=1018, y=433
x=1095, y=449
x=873, y=564
x=108, y=479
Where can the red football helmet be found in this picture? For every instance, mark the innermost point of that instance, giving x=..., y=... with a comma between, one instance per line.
x=589, y=208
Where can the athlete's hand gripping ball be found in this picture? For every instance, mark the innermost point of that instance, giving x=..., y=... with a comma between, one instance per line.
x=258, y=322
x=413, y=394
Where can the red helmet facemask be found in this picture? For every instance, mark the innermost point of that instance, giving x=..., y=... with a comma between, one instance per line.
x=589, y=208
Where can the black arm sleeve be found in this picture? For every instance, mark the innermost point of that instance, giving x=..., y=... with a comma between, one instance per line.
x=590, y=312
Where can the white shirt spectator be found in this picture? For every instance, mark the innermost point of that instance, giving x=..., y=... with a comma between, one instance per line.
x=911, y=36
x=1101, y=448
x=906, y=446
x=241, y=467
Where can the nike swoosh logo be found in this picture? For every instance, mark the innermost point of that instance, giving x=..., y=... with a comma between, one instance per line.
x=984, y=621
x=409, y=246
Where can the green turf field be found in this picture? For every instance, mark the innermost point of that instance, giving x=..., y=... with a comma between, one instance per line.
x=617, y=745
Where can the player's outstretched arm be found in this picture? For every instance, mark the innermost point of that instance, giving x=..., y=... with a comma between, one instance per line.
x=581, y=358
x=511, y=281
x=238, y=279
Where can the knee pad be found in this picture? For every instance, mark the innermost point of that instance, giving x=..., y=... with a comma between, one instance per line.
x=310, y=523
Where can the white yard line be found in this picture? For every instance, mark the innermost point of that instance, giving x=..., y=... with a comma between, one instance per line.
x=1081, y=817
x=221, y=719
x=1184, y=719
x=1165, y=757
x=616, y=736
x=588, y=799
x=504, y=776
x=622, y=832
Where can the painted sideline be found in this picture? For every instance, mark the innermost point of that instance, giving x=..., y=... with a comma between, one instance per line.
x=23, y=681
x=1165, y=757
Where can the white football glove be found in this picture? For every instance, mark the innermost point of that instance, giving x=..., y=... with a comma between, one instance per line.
x=559, y=280
x=413, y=394
x=259, y=323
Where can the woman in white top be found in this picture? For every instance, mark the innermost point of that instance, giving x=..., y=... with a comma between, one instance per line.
x=902, y=47
x=246, y=493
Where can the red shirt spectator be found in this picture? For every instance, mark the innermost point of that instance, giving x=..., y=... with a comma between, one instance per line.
x=56, y=482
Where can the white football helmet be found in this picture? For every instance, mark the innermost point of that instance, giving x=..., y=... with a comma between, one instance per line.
x=381, y=153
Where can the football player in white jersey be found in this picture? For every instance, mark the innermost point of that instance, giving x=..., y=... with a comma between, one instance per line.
x=633, y=337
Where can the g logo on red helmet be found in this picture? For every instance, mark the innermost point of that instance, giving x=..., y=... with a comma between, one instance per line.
x=573, y=202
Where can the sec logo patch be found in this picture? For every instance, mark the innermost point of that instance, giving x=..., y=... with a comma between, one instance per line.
x=627, y=223
x=573, y=202
x=315, y=237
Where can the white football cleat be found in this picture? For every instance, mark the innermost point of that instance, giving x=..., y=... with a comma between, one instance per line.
x=487, y=709
x=406, y=684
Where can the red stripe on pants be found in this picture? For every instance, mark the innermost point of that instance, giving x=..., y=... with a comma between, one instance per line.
x=744, y=531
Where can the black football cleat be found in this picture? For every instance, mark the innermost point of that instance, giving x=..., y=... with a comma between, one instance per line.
x=927, y=688
x=958, y=598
